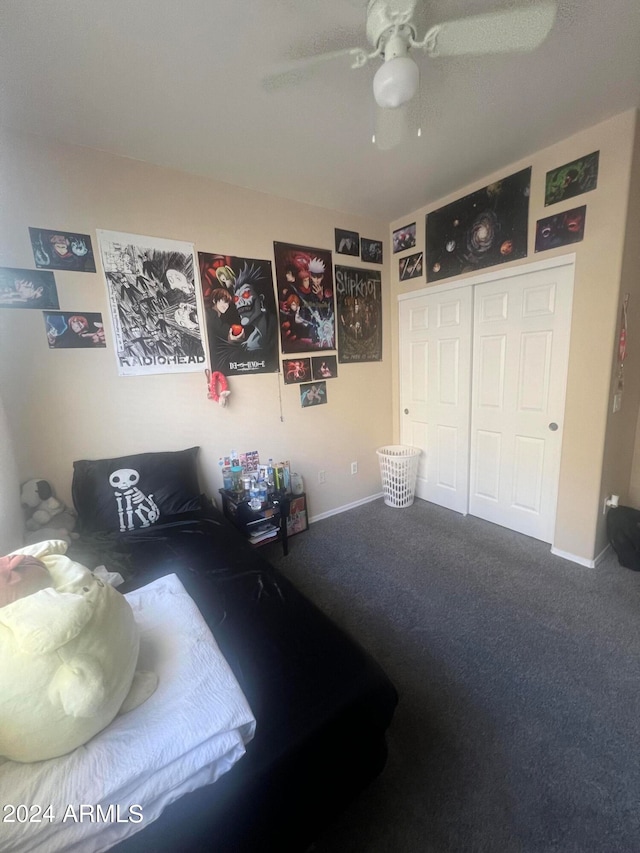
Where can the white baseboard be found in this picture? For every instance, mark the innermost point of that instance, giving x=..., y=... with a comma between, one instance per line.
x=346, y=507
x=604, y=553
x=582, y=561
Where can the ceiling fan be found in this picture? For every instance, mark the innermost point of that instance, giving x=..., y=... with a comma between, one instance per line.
x=391, y=31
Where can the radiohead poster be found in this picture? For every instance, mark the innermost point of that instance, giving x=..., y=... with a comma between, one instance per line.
x=241, y=316
x=154, y=304
x=359, y=300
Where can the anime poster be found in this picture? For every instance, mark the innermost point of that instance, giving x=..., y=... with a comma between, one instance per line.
x=314, y=394
x=70, y=330
x=324, y=366
x=241, y=316
x=482, y=229
x=410, y=266
x=572, y=179
x=153, y=301
x=296, y=370
x=561, y=229
x=62, y=250
x=359, y=301
x=305, y=297
x=27, y=289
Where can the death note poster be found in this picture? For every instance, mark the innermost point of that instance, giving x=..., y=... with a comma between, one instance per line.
x=240, y=311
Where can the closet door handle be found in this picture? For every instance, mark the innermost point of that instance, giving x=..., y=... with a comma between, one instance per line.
x=406, y=411
x=553, y=426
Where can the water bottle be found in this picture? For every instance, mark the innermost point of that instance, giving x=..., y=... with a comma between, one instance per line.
x=254, y=495
x=270, y=481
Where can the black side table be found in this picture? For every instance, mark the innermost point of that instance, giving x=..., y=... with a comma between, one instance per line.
x=256, y=523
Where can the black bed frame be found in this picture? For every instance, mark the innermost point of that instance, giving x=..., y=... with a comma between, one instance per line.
x=321, y=703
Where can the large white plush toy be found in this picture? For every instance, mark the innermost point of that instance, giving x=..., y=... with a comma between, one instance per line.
x=68, y=653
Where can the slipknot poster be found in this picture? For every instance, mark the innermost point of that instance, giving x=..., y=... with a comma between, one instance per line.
x=153, y=302
x=305, y=298
x=359, y=301
x=240, y=312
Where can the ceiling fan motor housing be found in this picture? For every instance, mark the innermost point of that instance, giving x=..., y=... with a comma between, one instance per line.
x=383, y=16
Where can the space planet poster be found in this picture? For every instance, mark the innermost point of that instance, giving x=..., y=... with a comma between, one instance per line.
x=304, y=277
x=485, y=228
x=240, y=313
x=359, y=314
x=153, y=303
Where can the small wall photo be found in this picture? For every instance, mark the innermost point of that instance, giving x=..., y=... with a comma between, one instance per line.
x=71, y=330
x=574, y=178
x=324, y=366
x=62, y=250
x=562, y=229
x=410, y=266
x=21, y=288
x=404, y=238
x=296, y=370
x=371, y=250
x=313, y=394
x=347, y=242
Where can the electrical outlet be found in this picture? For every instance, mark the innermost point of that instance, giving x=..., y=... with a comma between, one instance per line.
x=321, y=477
x=354, y=467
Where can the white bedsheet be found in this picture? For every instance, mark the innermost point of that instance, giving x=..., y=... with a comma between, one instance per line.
x=192, y=730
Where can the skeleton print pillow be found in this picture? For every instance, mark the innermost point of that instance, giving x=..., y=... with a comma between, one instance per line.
x=134, y=492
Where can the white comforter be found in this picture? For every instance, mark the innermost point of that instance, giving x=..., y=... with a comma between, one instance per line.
x=191, y=731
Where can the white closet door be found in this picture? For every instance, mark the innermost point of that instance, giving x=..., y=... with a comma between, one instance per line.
x=435, y=371
x=520, y=355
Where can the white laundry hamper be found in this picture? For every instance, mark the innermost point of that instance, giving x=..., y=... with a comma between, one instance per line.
x=399, y=471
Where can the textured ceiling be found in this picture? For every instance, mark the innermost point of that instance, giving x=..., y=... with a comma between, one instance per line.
x=179, y=84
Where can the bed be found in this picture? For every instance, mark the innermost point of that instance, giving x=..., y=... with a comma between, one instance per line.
x=319, y=705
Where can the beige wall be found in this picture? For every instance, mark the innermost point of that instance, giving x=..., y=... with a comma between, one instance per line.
x=68, y=404
x=597, y=447
x=627, y=431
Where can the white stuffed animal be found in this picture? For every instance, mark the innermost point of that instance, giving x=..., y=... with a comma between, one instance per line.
x=69, y=653
x=46, y=516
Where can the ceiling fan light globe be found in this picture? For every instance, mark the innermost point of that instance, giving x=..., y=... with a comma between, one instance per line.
x=396, y=82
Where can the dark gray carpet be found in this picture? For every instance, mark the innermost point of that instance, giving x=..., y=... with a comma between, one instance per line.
x=518, y=727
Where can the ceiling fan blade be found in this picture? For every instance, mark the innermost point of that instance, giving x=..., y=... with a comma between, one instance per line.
x=507, y=31
x=299, y=70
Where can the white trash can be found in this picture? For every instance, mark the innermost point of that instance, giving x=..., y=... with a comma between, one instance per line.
x=399, y=471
